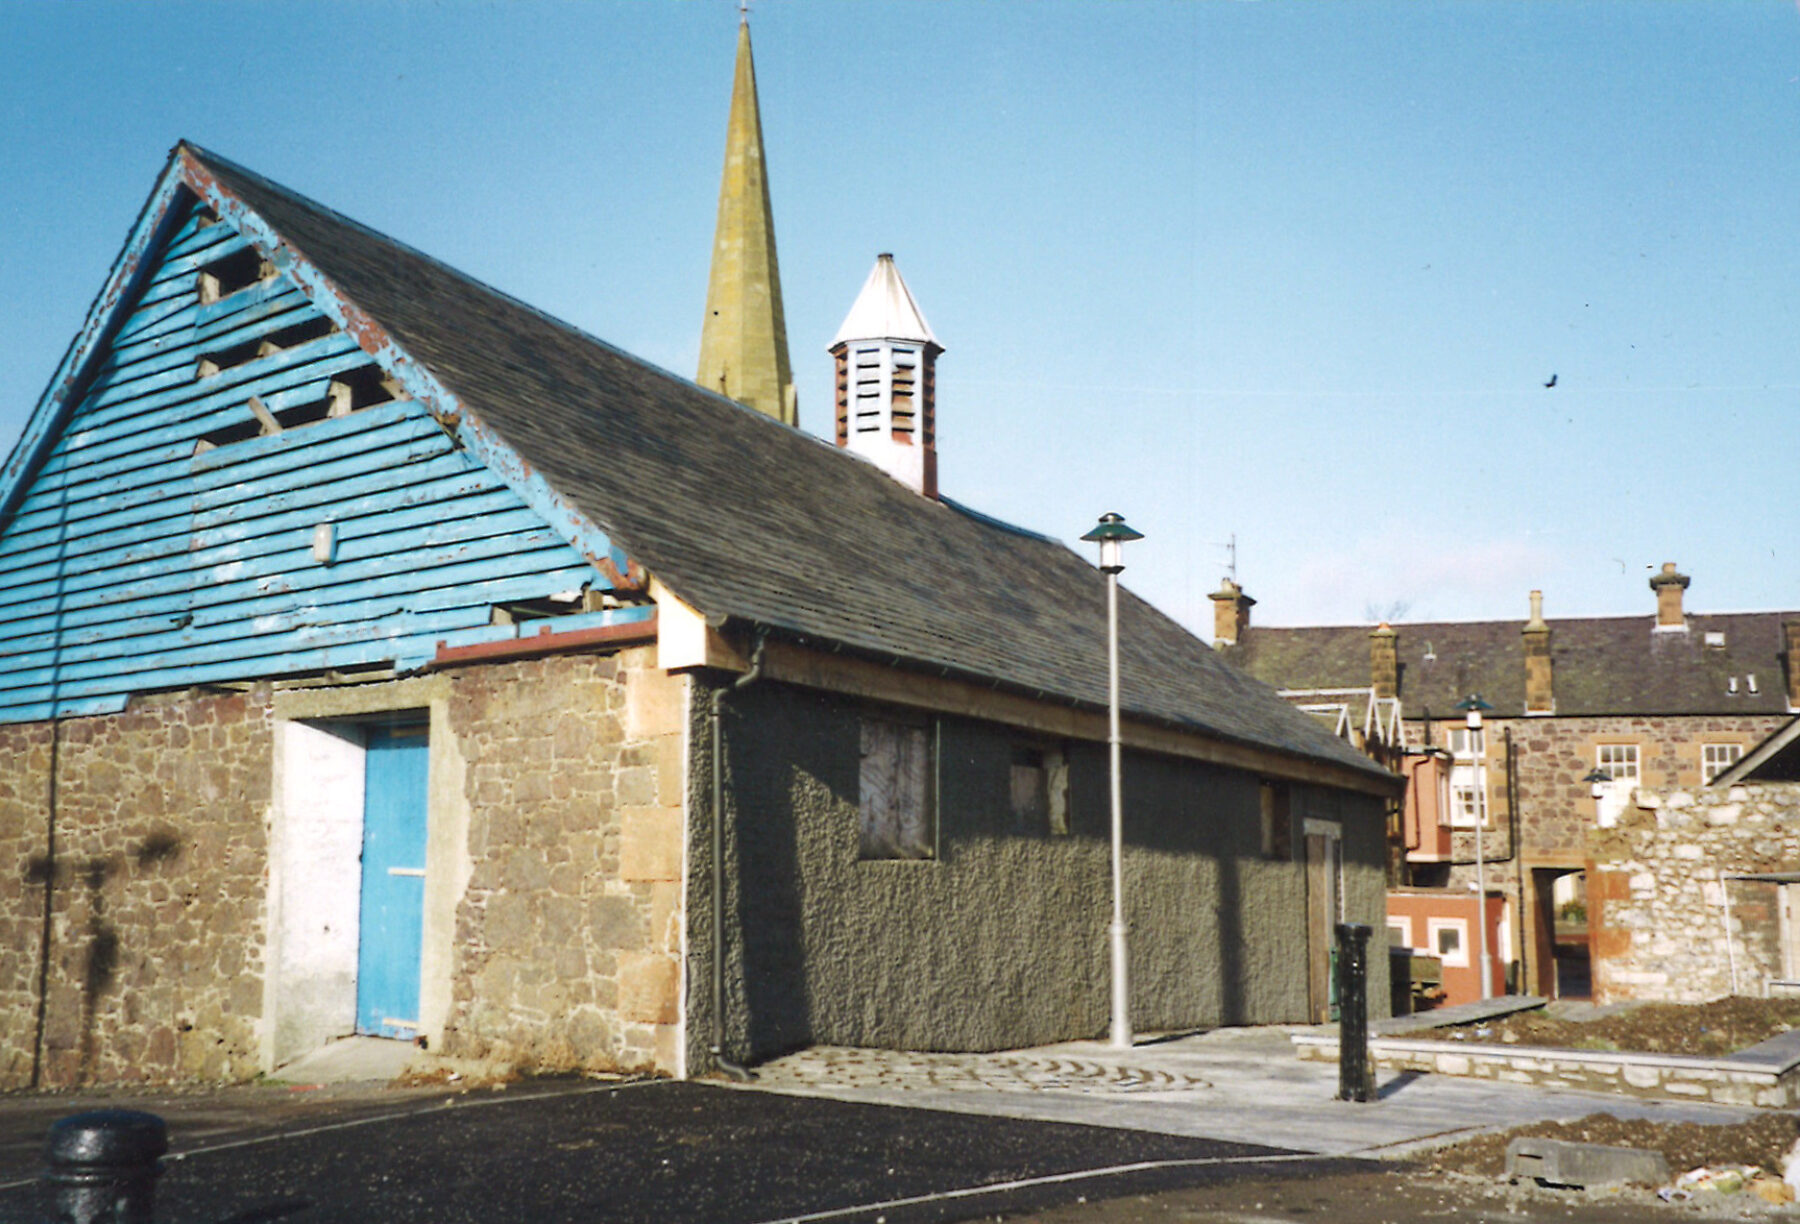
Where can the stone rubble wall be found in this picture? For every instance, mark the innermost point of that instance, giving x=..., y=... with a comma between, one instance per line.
x=568, y=938
x=568, y=927
x=1656, y=902
x=156, y=936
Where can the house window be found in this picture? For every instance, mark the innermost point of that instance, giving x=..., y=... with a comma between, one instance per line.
x=895, y=797
x=1040, y=790
x=1468, y=778
x=1715, y=759
x=1449, y=941
x=1399, y=931
x=1620, y=762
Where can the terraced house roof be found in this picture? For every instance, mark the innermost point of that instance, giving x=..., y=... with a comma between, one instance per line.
x=1727, y=663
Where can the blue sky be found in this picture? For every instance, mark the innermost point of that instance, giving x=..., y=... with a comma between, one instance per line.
x=1291, y=272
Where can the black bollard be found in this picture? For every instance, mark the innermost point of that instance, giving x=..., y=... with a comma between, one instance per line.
x=103, y=1167
x=1356, y=1080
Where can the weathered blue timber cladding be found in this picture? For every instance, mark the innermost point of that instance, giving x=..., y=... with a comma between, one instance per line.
x=241, y=491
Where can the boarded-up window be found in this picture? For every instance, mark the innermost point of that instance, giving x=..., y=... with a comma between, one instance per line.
x=1277, y=824
x=1040, y=791
x=895, y=796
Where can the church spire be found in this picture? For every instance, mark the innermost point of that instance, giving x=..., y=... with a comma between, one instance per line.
x=743, y=343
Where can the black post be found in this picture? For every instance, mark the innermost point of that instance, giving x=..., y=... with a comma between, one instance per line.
x=1355, y=1081
x=103, y=1167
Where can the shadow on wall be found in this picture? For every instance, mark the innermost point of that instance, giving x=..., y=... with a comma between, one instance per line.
x=100, y=956
x=792, y=783
x=776, y=987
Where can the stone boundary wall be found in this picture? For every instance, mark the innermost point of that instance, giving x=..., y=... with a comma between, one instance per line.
x=1724, y=1081
x=1656, y=899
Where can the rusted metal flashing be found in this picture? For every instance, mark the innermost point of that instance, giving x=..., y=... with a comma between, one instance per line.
x=547, y=641
x=624, y=573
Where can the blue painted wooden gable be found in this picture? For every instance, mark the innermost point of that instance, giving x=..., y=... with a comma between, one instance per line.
x=230, y=488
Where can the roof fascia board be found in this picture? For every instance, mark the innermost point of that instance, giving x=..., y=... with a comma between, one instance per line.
x=102, y=317
x=582, y=534
x=857, y=677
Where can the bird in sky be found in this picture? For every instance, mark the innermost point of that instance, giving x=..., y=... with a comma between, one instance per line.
x=1552, y=381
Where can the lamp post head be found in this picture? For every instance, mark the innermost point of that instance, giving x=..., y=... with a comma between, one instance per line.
x=1110, y=533
x=1473, y=705
x=1597, y=779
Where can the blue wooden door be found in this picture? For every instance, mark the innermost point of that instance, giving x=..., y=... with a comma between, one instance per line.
x=393, y=882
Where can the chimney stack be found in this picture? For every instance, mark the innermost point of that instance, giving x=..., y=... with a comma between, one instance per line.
x=1668, y=586
x=1231, y=613
x=1384, y=661
x=1540, y=696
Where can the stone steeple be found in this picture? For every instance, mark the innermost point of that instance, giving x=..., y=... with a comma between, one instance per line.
x=743, y=343
x=887, y=381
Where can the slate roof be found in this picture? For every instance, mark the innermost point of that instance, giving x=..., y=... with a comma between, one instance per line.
x=1599, y=665
x=743, y=517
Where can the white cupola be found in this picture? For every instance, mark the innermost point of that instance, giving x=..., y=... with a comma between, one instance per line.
x=887, y=381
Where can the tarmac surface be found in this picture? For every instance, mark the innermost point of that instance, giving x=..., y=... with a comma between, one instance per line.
x=1230, y=1120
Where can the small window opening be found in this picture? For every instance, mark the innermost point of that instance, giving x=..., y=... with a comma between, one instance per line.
x=348, y=392
x=895, y=797
x=1030, y=789
x=1750, y=683
x=563, y=603
x=237, y=271
x=365, y=387
x=1715, y=640
x=1276, y=822
x=249, y=350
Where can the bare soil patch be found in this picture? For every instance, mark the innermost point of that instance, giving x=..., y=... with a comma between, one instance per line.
x=1701, y=1030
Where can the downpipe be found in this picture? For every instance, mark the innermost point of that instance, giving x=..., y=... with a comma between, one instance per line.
x=716, y=716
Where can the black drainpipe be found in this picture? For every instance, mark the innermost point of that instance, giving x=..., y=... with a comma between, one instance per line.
x=1518, y=859
x=716, y=717
x=49, y=914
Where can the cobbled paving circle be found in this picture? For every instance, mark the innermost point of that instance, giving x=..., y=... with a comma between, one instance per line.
x=841, y=1067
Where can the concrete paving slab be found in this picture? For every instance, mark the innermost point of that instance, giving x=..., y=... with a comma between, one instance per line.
x=1461, y=1013
x=351, y=1060
x=1242, y=1085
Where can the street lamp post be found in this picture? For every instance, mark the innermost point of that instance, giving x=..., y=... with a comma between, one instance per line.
x=1111, y=533
x=1473, y=705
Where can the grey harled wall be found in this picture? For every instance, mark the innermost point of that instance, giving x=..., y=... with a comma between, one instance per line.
x=1000, y=942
